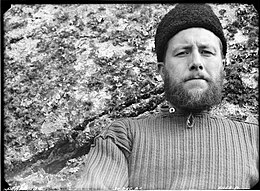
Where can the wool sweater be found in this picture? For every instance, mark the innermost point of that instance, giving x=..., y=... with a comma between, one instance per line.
x=162, y=151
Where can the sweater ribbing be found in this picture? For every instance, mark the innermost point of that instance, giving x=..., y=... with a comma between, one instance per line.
x=160, y=152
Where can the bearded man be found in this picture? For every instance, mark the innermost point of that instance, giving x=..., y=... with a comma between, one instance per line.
x=184, y=146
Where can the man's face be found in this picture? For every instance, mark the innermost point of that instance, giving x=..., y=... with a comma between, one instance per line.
x=193, y=70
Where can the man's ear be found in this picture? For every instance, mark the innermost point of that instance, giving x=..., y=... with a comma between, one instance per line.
x=224, y=62
x=160, y=69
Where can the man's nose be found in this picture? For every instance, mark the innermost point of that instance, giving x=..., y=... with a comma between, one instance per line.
x=196, y=62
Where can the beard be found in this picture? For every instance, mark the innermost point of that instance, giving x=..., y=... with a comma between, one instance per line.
x=193, y=101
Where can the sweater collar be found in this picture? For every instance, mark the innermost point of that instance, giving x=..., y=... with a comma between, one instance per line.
x=190, y=116
x=167, y=110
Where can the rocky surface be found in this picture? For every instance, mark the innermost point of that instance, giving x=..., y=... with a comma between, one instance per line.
x=70, y=70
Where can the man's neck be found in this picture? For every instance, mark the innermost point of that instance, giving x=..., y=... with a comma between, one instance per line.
x=188, y=111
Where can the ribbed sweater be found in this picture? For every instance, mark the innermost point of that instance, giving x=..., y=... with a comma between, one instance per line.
x=161, y=152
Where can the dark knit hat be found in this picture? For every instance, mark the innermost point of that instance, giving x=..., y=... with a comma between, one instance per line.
x=184, y=16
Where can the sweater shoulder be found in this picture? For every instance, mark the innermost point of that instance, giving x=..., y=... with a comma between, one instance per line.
x=124, y=125
x=144, y=119
x=252, y=122
x=121, y=130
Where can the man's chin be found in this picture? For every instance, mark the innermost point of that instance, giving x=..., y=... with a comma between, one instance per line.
x=195, y=88
x=194, y=95
x=196, y=92
x=195, y=100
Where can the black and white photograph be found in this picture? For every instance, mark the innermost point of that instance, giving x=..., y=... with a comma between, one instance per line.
x=130, y=96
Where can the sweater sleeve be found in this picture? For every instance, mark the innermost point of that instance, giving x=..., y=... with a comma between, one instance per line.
x=254, y=133
x=106, y=164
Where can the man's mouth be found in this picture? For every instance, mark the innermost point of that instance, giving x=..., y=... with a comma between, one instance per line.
x=190, y=79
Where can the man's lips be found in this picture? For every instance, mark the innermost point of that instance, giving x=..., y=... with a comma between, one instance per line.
x=189, y=79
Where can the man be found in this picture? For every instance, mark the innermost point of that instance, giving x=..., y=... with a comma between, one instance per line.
x=183, y=147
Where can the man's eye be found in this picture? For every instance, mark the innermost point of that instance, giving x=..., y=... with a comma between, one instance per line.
x=207, y=52
x=181, y=53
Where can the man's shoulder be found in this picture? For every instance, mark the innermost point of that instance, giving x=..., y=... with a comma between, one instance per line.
x=133, y=122
x=250, y=120
x=139, y=119
x=146, y=116
x=124, y=128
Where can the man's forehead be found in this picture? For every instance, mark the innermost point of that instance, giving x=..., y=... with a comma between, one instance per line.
x=194, y=36
x=199, y=44
x=195, y=31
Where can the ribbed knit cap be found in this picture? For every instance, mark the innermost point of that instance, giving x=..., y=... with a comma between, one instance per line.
x=184, y=16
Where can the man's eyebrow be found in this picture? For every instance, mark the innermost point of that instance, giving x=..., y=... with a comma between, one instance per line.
x=182, y=46
x=186, y=47
x=206, y=46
